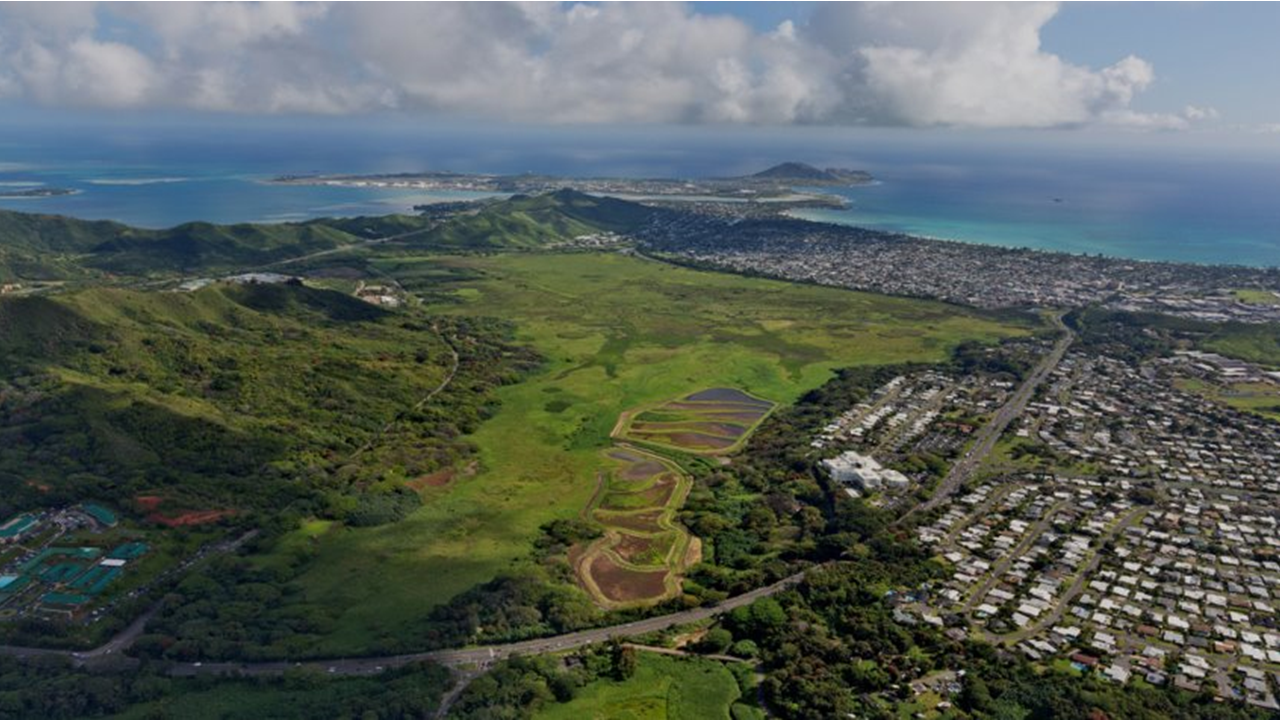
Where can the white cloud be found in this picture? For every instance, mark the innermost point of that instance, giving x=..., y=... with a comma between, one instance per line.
x=914, y=64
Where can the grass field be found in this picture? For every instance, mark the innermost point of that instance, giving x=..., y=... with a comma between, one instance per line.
x=1257, y=297
x=1259, y=397
x=617, y=333
x=663, y=688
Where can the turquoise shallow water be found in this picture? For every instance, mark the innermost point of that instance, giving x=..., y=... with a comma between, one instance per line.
x=1150, y=202
x=1158, y=211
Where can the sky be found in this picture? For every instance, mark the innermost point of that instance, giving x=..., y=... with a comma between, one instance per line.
x=1116, y=67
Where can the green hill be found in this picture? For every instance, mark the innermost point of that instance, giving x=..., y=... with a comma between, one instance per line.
x=204, y=246
x=51, y=247
x=798, y=172
x=45, y=247
x=236, y=396
x=530, y=221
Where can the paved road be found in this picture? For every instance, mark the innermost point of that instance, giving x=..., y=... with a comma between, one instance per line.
x=1017, y=552
x=1076, y=587
x=109, y=652
x=480, y=656
x=964, y=468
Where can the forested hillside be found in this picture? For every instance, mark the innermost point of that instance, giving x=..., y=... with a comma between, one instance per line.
x=237, y=397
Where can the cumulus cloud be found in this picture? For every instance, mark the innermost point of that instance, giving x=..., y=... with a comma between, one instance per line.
x=918, y=64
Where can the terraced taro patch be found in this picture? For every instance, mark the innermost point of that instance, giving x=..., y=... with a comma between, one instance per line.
x=658, y=495
x=708, y=422
x=621, y=585
x=644, y=521
x=643, y=553
x=727, y=395
x=687, y=441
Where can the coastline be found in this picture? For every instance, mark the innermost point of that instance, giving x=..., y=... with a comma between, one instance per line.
x=38, y=193
x=977, y=244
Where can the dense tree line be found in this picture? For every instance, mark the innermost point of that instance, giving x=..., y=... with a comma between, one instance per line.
x=50, y=689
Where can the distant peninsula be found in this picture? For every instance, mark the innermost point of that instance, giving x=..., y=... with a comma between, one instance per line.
x=775, y=184
x=36, y=192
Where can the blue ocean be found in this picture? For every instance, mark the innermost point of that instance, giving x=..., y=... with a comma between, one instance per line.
x=1153, y=199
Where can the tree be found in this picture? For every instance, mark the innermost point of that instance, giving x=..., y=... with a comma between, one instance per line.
x=974, y=695
x=624, y=659
x=717, y=640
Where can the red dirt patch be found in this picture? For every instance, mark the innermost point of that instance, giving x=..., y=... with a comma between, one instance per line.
x=634, y=548
x=618, y=584
x=148, y=502
x=190, y=517
x=642, y=470
x=439, y=478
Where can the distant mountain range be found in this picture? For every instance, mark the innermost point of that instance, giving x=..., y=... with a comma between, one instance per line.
x=51, y=247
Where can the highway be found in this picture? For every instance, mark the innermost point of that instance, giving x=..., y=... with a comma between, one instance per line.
x=456, y=658
x=484, y=655
x=990, y=433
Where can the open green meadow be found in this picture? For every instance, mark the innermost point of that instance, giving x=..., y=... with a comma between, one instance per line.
x=663, y=688
x=1257, y=397
x=617, y=332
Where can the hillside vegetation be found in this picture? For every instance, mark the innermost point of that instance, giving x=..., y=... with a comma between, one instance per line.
x=531, y=221
x=617, y=333
x=51, y=247
x=238, y=397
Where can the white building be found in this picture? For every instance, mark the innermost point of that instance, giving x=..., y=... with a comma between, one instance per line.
x=863, y=472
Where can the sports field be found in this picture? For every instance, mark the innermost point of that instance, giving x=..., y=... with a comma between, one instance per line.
x=617, y=333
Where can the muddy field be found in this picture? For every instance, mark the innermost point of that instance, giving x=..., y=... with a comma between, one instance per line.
x=686, y=440
x=654, y=497
x=639, y=550
x=642, y=470
x=621, y=585
x=727, y=395
x=708, y=421
x=646, y=521
x=721, y=429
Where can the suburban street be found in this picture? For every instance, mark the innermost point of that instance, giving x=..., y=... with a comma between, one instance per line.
x=990, y=433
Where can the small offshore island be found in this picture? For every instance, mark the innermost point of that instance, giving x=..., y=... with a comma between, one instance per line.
x=775, y=185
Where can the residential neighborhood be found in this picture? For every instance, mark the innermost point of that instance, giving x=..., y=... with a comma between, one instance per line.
x=1125, y=527
x=764, y=240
